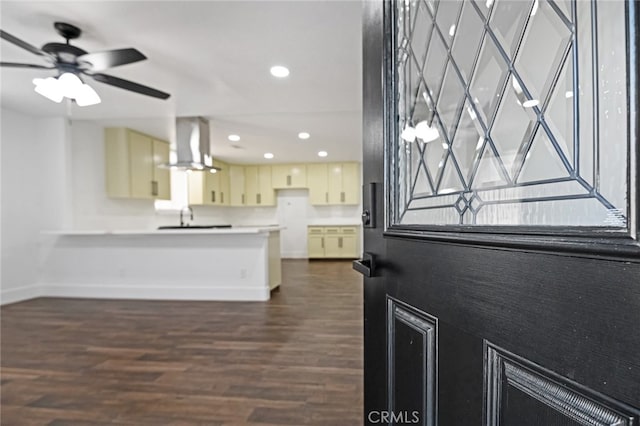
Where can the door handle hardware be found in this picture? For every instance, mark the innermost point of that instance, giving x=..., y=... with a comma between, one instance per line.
x=213, y=196
x=288, y=180
x=259, y=198
x=342, y=197
x=339, y=242
x=322, y=241
x=154, y=187
x=326, y=197
x=222, y=197
x=242, y=198
x=366, y=266
x=369, y=205
x=366, y=217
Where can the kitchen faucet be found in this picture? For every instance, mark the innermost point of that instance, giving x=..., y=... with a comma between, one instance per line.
x=190, y=210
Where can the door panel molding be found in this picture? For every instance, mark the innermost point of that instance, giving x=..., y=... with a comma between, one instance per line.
x=505, y=371
x=425, y=326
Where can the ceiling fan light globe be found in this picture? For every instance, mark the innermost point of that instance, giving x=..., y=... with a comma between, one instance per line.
x=87, y=96
x=71, y=85
x=49, y=88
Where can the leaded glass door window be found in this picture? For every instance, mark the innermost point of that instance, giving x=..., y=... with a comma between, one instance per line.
x=511, y=112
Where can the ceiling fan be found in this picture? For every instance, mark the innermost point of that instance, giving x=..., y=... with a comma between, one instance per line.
x=72, y=62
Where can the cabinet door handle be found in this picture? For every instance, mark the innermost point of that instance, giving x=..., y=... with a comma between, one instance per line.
x=342, y=196
x=259, y=198
x=326, y=197
x=288, y=180
x=339, y=242
x=322, y=241
x=213, y=196
x=154, y=187
x=222, y=197
x=242, y=198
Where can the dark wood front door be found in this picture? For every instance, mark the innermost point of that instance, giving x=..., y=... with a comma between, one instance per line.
x=502, y=264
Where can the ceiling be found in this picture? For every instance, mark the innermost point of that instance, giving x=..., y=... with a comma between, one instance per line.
x=214, y=58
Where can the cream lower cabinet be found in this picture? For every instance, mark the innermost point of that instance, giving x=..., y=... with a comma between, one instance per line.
x=332, y=242
x=132, y=165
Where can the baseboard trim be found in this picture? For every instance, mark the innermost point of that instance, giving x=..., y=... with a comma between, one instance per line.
x=20, y=294
x=93, y=291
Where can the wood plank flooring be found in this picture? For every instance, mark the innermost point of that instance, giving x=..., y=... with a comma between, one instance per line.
x=296, y=360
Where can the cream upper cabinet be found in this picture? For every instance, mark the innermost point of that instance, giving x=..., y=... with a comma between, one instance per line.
x=289, y=176
x=344, y=183
x=206, y=188
x=333, y=183
x=265, y=185
x=132, y=161
x=161, y=176
x=258, y=188
x=236, y=185
x=224, y=183
x=318, y=183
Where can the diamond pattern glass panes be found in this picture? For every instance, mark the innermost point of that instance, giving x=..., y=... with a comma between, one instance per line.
x=421, y=33
x=467, y=42
x=542, y=162
x=513, y=126
x=434, y=66
x=484, y=6
x=507, y=20
x=451, y=99
x=504, y=123
x=559, y=111
x=488, y=79
x=545, y=42
x=467, y=142
x=447, y=18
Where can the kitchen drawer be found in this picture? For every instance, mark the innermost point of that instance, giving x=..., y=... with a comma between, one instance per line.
x=331, y=230
x=316, y=230
x=349, y=230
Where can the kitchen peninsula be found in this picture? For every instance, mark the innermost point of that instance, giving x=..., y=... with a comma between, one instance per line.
x=240, y=263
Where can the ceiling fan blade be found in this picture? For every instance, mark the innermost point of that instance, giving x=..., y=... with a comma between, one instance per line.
x=20, y=43
x=111, y=58
x=17, y=65
x=129, y=85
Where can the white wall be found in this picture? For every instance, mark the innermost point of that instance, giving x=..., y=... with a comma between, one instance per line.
x=35, y=196
x=91, y=206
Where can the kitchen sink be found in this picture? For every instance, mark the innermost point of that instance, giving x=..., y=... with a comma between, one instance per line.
x=194, y=227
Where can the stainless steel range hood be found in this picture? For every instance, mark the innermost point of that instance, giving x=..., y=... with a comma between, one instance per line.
x=192, y=145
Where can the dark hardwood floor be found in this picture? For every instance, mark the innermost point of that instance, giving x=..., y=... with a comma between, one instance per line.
x=296, y=360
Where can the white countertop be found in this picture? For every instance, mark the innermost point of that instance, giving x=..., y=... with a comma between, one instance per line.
x=330, y=223
x=199, y=231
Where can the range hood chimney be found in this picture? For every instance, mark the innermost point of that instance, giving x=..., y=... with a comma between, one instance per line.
x=192, y=145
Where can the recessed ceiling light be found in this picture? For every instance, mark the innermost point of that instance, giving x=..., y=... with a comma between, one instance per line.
x=233, y=138
x=322, y=154
x=304, y=135
x=279, y=71
x=268, y=155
